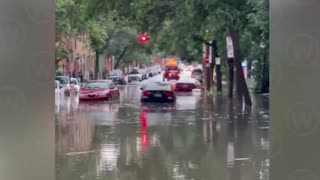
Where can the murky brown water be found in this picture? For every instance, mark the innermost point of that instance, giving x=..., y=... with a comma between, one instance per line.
x=196, y=139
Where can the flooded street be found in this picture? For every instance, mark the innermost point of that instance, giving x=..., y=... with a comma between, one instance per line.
x=198, y=138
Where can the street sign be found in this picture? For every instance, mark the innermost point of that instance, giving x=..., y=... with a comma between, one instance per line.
x=230, y=52
x=218, y=61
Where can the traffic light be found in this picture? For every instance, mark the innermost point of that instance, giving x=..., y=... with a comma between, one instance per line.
x=144, y=38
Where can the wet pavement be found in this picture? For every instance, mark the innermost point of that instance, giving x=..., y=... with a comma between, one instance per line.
x=198, y=138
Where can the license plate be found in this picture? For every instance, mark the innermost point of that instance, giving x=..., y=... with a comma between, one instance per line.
x=185, y=86
x=157, y=95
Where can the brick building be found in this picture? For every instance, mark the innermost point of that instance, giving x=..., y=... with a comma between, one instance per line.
x=82, y=57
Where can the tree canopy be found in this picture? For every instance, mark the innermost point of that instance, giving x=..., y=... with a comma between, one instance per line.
x=175, y=27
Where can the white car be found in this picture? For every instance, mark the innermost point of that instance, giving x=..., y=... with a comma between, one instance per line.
x=57, y=88
x=74, y=85
x=135, y=76
x=64, y=84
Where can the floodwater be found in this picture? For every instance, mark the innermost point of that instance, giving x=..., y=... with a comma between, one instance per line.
x=198, y=138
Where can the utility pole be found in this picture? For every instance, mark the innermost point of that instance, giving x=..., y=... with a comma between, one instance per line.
x=230, y=55
x=212, y=45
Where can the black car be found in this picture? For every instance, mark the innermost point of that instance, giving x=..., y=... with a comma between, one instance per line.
x=158, y=92
x=118, y=77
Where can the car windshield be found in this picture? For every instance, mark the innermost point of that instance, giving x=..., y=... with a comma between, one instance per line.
x=116, y=73
x=73, y=81
x=134, y=72
x=62, y=80
x=187, y=80
x=157, y=87
x=197, y=71
x=97, y=85
x=172, y=69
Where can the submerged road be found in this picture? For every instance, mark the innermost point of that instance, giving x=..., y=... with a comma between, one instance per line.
x=198, y=138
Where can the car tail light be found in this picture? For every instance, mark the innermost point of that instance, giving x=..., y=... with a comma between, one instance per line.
x=146, y=93
x=169, y=94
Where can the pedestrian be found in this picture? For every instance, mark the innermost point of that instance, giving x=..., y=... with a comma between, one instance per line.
x=104, y=74
x=80, y=76
x=91, y=75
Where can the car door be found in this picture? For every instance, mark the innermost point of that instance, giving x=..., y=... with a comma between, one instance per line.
x=113, y=90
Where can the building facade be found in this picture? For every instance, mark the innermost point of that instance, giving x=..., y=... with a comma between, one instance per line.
x=81, y=59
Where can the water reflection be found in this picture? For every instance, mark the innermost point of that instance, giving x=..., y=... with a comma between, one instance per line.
x=200, y=138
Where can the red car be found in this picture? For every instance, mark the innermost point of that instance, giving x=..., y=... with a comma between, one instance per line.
x=172, y=73
x=187, y=85
x=98, y=90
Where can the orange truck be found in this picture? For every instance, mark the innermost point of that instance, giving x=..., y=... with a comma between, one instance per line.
x=172, y=70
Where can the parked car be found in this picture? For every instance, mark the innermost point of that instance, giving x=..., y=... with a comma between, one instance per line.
x=74, y=85
x=57, y=88
x=99, y=90
x=187, y=85
x=118, y=77
x=159, y=69
x=157, y=92
x=150, y=73
x=144, y=73
x=154, y=71
x=135, y=75
x=64, y=84
x=197, y=74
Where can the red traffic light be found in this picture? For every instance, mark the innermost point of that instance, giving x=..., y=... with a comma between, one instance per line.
x=143, y=38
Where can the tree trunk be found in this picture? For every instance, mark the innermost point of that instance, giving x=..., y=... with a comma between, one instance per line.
x=242, y=87
x=249, y=67
x=265, y=77
x=97, y=68
x=120, y=57
x=219, y=78
x=230, y=78
x=208, y=74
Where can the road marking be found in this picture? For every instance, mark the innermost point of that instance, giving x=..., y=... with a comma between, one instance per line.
x=78, y=153
x=241, y=159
